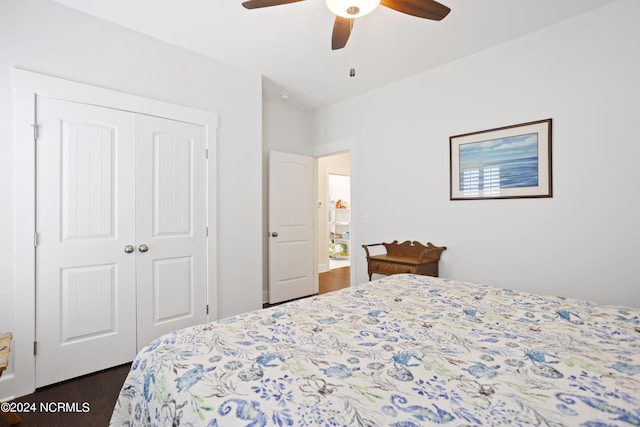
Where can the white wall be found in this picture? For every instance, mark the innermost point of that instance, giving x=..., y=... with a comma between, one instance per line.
x=48, y=38
x=585, y=241
x=285, y=129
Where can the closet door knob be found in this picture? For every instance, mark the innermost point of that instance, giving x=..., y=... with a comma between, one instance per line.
x=129, y=248
x=143, y=248
x=274, y=234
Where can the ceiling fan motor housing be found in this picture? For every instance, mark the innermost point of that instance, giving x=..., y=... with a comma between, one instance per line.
x=352, y=8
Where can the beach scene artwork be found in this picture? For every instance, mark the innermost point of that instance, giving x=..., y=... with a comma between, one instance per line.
x=510, y=162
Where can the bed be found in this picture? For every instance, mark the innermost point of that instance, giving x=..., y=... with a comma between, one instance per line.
x=403, y=351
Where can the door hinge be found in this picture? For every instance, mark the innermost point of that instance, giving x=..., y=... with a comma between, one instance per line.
x=35, y=131
x=207, y=231
x=207, y=308
x=35, y=240
x=35, y=348
x=206, y=154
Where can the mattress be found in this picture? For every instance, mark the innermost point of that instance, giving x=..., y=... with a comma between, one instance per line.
x=404, y=350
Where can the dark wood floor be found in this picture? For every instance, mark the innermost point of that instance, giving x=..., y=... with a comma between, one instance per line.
x=100, y=390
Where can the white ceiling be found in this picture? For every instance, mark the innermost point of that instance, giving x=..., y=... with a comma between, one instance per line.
x=290, y=44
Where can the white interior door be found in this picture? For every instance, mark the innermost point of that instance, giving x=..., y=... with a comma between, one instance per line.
x=85, y=281
x=291, y=212
x=170, y=226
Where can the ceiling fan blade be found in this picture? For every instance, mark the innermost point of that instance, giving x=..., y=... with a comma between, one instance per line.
x=428, y=9
x=254, y=4
x=341, y=32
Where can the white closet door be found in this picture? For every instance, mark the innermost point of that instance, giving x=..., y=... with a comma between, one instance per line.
x=170, y=226
x=85, y=281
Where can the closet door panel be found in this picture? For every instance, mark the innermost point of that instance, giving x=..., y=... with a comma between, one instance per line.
x=170, y=226
x=85, y=289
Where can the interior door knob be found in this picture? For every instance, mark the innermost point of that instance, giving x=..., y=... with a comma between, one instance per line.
x=129, y=248
x=143, y=248
x=274, y=234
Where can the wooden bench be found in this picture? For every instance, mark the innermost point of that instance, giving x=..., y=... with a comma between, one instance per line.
x=5, y=346
x=407, y=257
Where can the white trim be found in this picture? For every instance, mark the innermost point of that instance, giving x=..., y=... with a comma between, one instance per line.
x=24, y=298
x=314, y=243
x=68, y=90
x=27, y=85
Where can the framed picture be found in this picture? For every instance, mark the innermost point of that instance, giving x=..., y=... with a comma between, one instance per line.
x=503, y=163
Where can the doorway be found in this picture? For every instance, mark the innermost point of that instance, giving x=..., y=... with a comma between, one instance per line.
x=339, y=193
x=334, y=222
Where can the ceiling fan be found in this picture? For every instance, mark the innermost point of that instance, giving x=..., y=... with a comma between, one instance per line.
x=347, y=10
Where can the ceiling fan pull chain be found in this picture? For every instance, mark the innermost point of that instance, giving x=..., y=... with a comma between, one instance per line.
x=352, y=47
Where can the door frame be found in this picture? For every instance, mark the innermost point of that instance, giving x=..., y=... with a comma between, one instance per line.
x=338, y=147
x=27, y=86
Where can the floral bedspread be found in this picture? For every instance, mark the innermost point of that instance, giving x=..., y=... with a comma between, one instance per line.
x=405, y=351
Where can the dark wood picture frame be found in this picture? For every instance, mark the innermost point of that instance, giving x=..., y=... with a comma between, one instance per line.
x=502, y=163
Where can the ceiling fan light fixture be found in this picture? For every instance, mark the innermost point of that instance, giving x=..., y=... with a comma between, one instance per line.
x=352, y=8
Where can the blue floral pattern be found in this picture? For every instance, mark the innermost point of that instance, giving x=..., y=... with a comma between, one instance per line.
x=401, y=351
